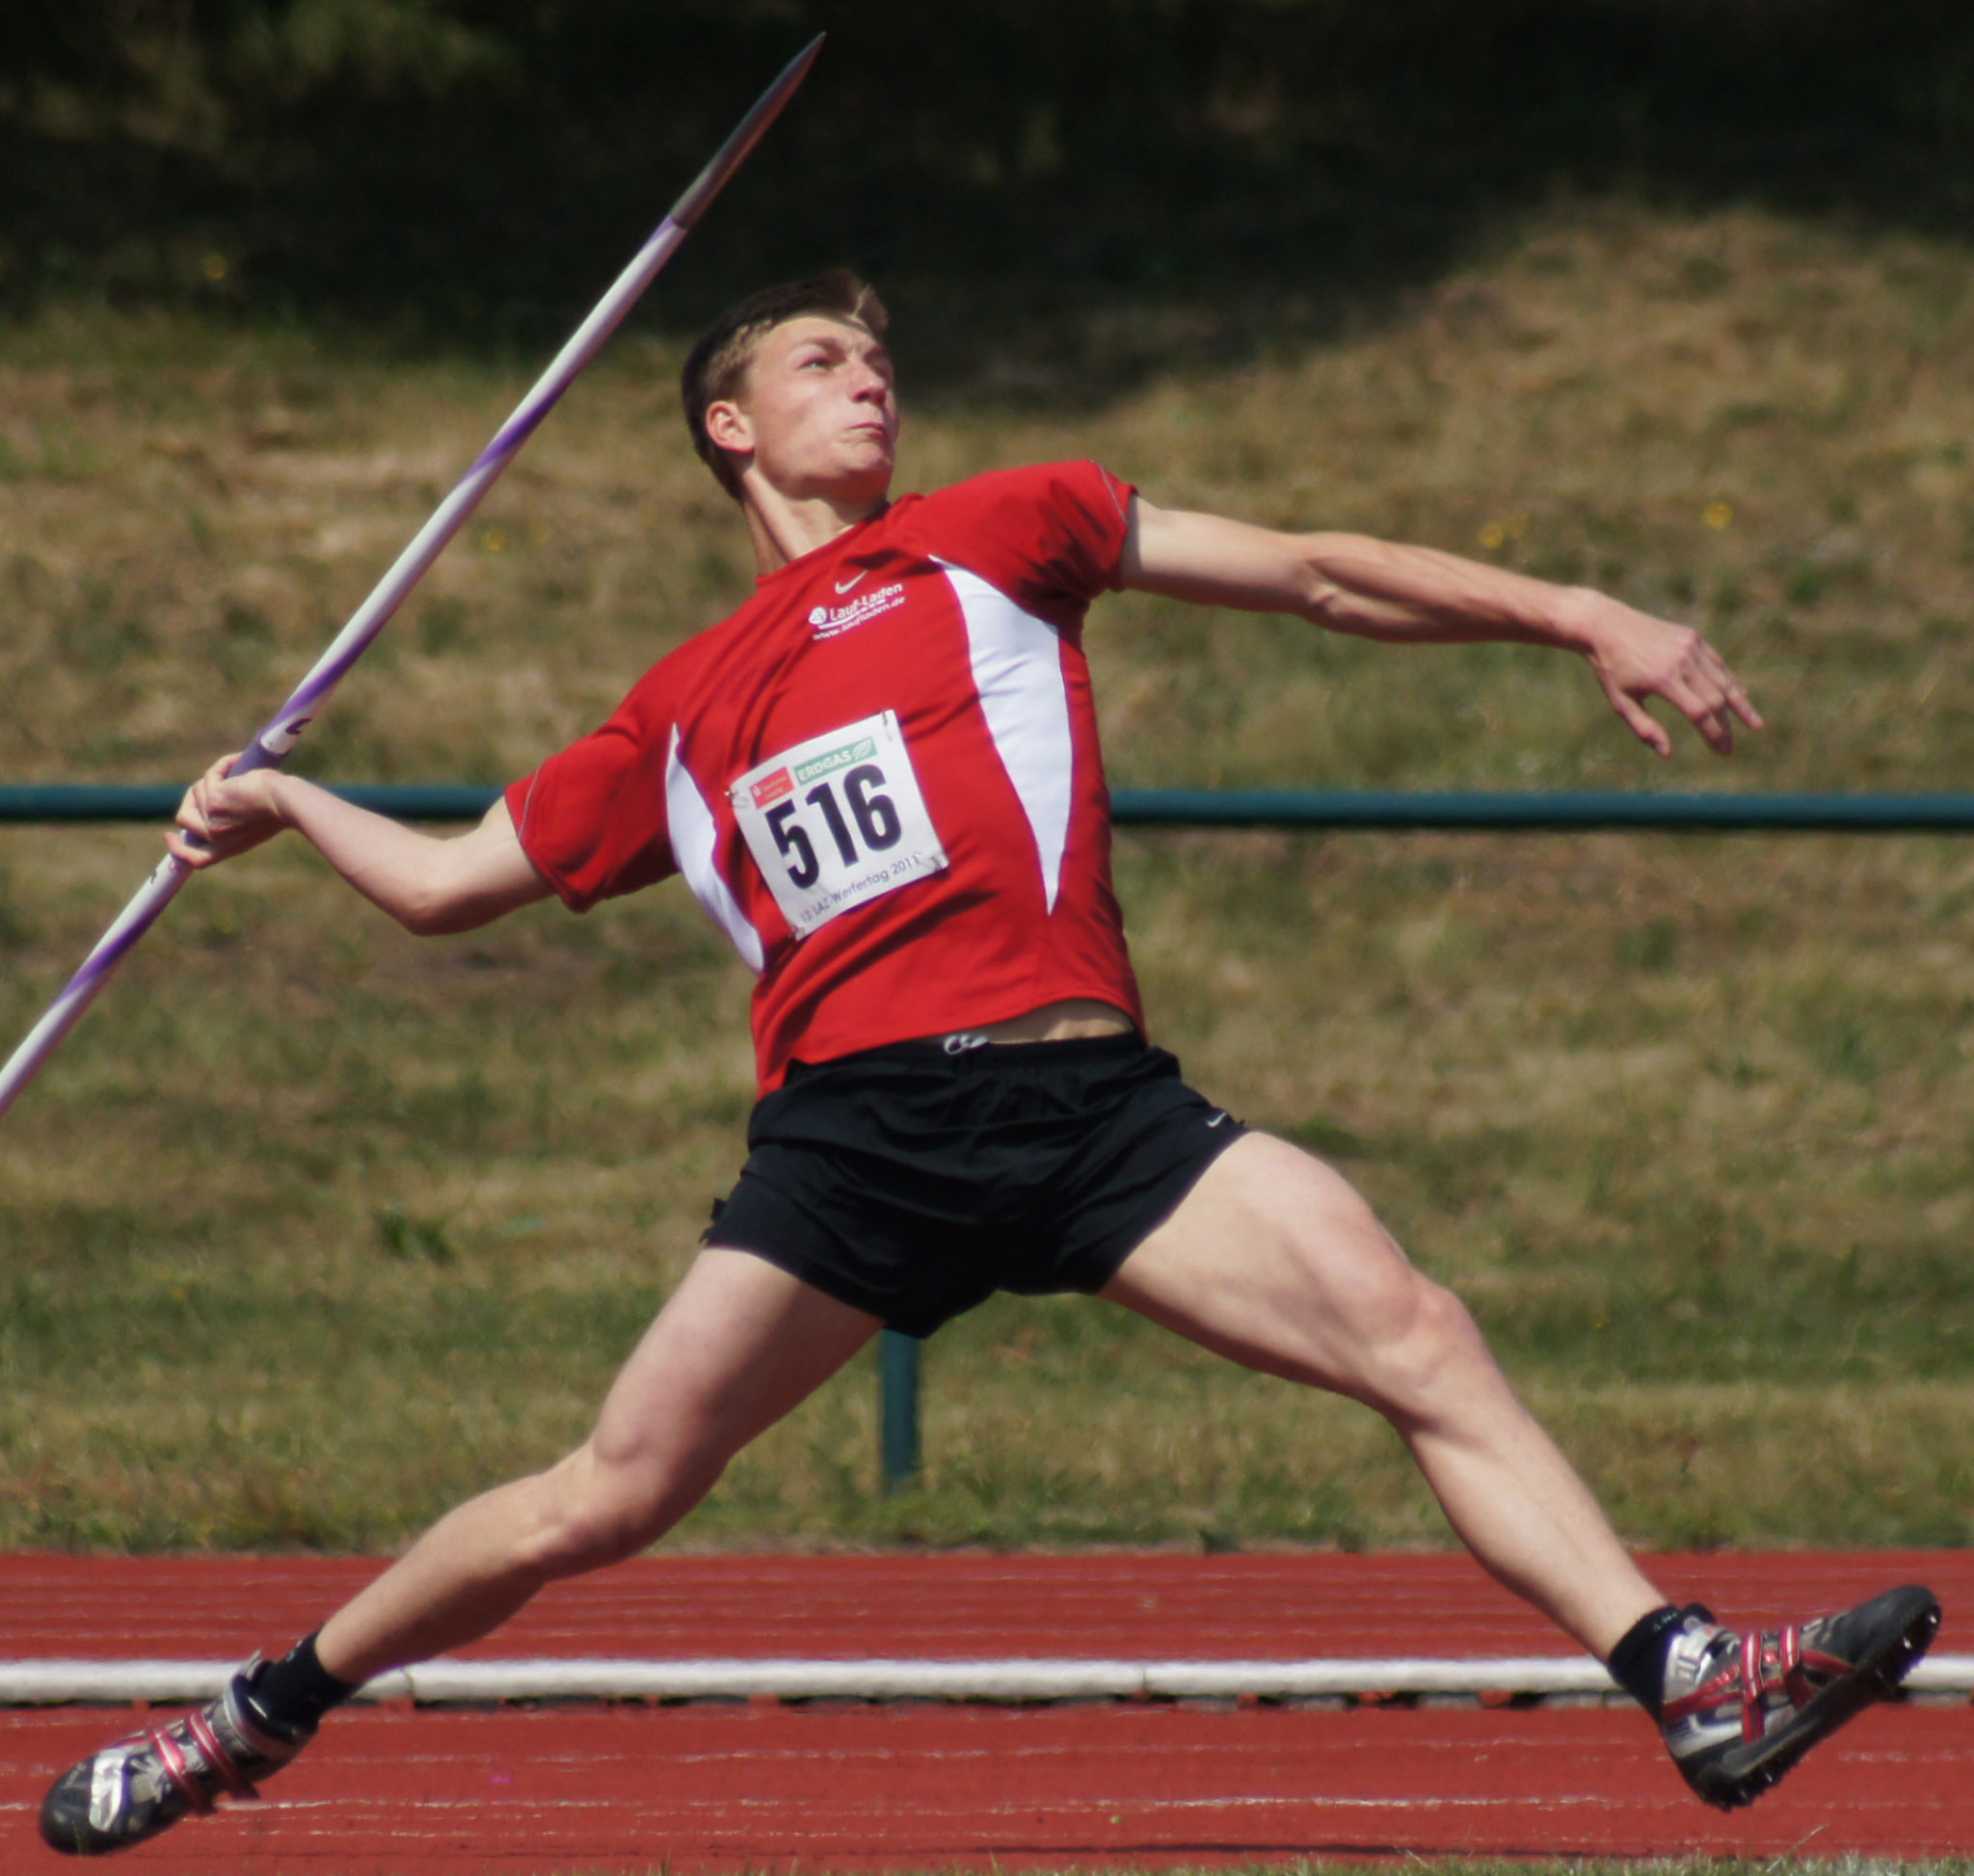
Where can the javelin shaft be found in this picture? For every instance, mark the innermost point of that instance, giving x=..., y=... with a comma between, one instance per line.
x=278, y=738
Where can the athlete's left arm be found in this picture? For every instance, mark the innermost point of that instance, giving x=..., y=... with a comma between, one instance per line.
x=1419, y=596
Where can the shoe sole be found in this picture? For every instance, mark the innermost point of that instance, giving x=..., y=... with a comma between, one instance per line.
x=1910, y=1618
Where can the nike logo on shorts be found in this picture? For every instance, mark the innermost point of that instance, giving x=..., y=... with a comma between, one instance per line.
x=1217, y=1118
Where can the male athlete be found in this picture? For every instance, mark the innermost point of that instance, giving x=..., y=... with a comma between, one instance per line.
x=880, y=777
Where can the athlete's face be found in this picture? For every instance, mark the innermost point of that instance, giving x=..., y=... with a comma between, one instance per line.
x=818, y=411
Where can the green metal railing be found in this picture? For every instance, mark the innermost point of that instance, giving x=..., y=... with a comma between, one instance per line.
x=1308, y=810
x=60, y=801
x=1285, y=808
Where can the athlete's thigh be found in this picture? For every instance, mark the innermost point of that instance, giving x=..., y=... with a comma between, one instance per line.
x=737, y=1345
x=1274, y=1259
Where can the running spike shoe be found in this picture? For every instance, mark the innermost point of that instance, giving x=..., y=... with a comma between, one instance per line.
x=130, y=1791
x=1740, y=1710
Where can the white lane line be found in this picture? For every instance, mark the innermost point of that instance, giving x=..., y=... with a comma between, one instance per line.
x=447, y=1681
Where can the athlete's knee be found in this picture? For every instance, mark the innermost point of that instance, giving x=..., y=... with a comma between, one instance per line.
x=1421, y=1350
x=595, y=1509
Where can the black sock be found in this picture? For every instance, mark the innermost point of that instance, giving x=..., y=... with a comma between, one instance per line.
x=293, y=1693
x=1637, y=1663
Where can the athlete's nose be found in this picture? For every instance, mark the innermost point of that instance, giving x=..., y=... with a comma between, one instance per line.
x=869, y=385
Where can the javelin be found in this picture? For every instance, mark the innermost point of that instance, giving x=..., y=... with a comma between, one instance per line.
x=272, y=747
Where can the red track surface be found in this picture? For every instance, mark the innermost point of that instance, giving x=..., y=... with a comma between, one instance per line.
x=859, y=1787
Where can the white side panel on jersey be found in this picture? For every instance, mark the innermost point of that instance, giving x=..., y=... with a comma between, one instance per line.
x=1018, y=671
x=695, y=841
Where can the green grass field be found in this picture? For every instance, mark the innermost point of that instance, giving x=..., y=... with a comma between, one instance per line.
x=313, y=1228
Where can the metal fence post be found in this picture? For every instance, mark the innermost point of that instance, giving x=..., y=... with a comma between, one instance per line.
x=898, y=1368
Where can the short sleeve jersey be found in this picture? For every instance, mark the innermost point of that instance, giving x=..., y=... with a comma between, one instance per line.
x=880, y=776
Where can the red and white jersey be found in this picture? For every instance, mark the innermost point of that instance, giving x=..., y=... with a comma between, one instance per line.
x=880, y=777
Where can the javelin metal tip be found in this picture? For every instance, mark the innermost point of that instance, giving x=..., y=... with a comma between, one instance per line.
x=711, y=179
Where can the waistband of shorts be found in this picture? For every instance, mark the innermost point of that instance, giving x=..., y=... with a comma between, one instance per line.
x=963, y=1048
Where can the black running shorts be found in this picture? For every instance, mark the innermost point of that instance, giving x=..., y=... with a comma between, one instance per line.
x=913, y=1181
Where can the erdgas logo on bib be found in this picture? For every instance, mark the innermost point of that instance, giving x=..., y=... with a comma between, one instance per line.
x=784, y=781
x=837, y=821
x=829, y=621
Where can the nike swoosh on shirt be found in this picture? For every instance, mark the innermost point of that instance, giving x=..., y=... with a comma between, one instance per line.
x=845, y=585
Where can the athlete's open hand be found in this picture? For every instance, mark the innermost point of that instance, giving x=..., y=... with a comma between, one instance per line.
x=225, y=815
x=1636, y=657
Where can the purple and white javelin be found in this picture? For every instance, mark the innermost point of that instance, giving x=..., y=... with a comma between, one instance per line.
x=272, y=747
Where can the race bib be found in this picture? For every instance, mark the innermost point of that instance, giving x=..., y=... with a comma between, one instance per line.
x=837, y=821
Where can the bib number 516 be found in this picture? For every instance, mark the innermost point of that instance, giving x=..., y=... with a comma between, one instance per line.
x=875, y=814
x=837, y=820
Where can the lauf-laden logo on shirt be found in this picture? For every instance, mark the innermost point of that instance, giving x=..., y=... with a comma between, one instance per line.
x=831, y=620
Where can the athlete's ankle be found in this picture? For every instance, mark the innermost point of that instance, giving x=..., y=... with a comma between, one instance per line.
x=291, y=1695
x=1637, y=1663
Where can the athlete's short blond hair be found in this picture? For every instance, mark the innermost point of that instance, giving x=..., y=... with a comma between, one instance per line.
x=717, y=366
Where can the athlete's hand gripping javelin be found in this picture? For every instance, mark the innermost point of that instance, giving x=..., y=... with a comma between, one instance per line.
x=1419, y=596
x=221, y=818
x=430, y=885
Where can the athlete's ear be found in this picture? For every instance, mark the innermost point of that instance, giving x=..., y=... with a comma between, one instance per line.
x=729, y=427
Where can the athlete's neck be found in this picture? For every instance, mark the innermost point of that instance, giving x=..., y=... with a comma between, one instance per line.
x=785, y=528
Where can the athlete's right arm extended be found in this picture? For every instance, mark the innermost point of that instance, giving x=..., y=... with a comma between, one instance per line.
x=427, y=884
